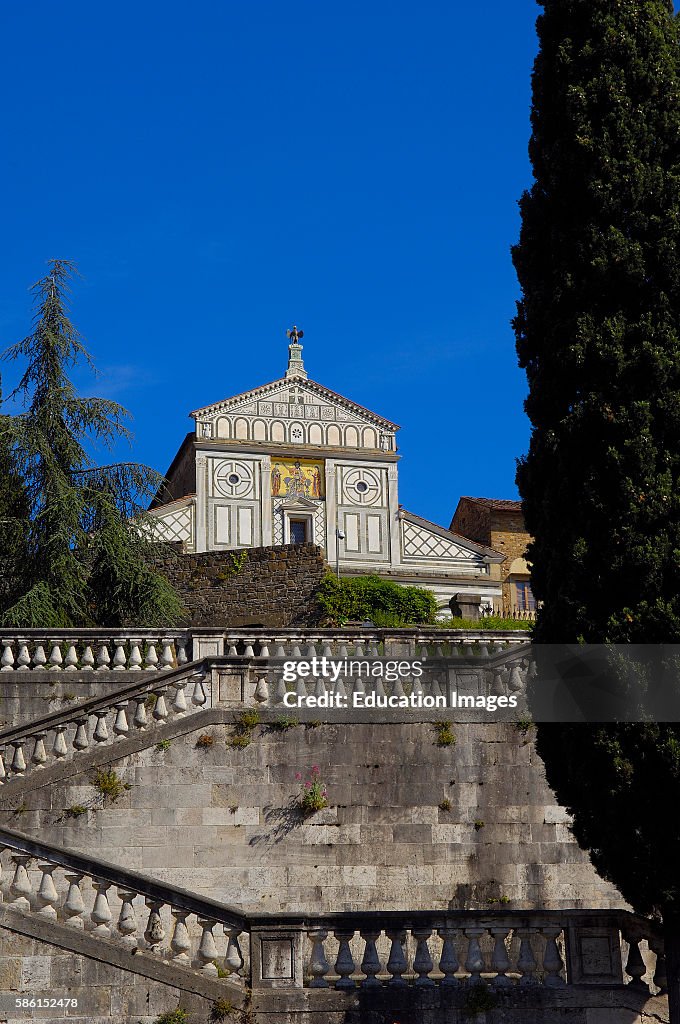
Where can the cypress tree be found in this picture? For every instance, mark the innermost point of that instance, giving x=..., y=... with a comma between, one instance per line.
x=86, y=537
x=598, y=333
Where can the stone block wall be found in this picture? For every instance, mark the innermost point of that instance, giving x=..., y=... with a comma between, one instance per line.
x=273, y=586
x=410, y=824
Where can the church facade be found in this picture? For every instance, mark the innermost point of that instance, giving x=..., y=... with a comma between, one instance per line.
x=293, y=462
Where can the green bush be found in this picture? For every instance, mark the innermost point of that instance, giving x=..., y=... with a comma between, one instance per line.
x=173, y=1017
x=370, y=597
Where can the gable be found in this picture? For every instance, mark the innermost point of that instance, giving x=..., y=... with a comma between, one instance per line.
x=425, y=541
x=295, y=411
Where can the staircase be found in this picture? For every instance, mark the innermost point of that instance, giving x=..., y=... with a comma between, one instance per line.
x=424, y=966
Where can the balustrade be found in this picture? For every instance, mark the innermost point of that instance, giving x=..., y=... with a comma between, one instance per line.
x=95, y=651
x=117, y=906
x=472, y=948
x=99, y=722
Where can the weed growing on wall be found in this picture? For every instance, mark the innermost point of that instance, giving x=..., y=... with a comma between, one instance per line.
x=313, y=795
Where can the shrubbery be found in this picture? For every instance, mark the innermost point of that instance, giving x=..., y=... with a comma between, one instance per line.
x=370, y=597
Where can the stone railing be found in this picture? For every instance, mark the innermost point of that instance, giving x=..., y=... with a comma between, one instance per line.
x=94, y=650
x=97, y=650
x=343, y=952
x=103, y=721
x=108, y=902
x=520, y=949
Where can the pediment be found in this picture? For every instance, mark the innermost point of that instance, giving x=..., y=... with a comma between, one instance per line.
x=298, y=505
x=293, y=398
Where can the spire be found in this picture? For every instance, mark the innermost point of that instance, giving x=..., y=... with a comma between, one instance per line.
x=296, y=368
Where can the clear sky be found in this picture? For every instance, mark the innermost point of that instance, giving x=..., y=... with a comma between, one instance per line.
x=220, y=170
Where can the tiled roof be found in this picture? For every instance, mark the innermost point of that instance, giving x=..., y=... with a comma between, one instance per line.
x=496, y=503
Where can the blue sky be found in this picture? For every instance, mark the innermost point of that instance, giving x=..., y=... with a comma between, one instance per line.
x=220, y=170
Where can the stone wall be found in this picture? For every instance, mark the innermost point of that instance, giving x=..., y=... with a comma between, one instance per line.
x=272, y=586
x=410, y=824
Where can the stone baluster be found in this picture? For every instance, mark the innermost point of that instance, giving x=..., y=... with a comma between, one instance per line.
x=39, y=658
x=439, y=651
x=264, y=649
x=635, y=965
x=423, y=652
x=516, y=680
x=397, y=964
x=320, y=686
x=234, y=959
x=160, y=708
x=127, y=919
x=154, y=932
x=151, y=658
x=7, y=659
x=422, y=961
x=48, y=897
x=552, y=961
x=326, y=649
x=342, y=652
x=167, y=654
x=340, y=688
x=526, y=964
x=311, y=651
x=370, y=965
x=474, y=961
x=140, y=719
x=344, y=963
x=71, y=659
x=18, y=760
x=358, y=649
x=483, y=649
x=181, y=644
x=119, y=655
x=181, y=943
x=103, y=658
x=179, y=701
x=500, y=961
x=23, y=657
x=660, y=980
x=55, y=660
x=135, y=660
x=199, y=696
x=379, y=687
x=87, y=660
x=207, y=950
x=121, y=726
x=101, y=732
x=39, y=756
x=300, y=687
x=318, y=966
x=74, y=907
x=248, y=650
x=20, y=886
x=280, y=651
x=261, y=690
x=101, y=912
x=81, y=740
x=448, y=961
x=397, y=687
x=59, y=748
x=231, y=649
x=296, y=653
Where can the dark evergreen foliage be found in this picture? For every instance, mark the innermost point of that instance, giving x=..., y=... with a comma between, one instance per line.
x=598, y=332
x=85, y=534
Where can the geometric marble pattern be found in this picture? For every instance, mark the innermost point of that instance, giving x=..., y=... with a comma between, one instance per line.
x=176, y=525
x=421, y=543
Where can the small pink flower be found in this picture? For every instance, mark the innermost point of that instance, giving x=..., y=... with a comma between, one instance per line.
x=315, y=769
x=308, y=785
x=298, y=776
